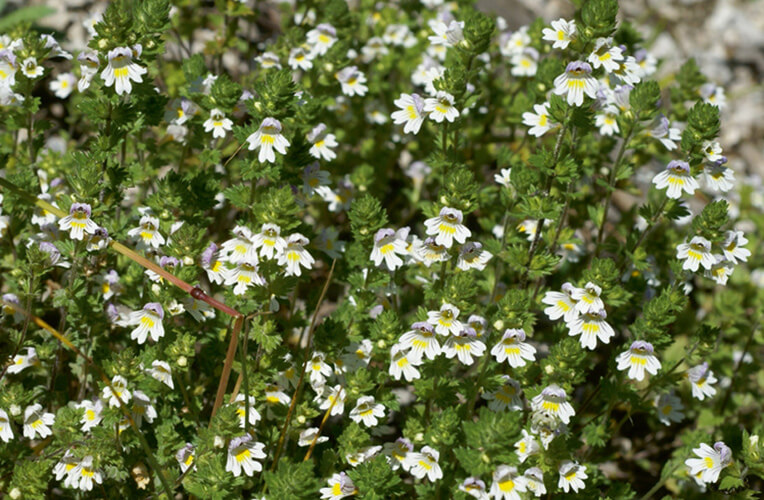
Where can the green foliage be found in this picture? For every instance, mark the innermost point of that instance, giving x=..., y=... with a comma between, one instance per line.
x=554, y=195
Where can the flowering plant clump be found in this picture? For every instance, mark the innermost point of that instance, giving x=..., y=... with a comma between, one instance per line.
x=370, y=249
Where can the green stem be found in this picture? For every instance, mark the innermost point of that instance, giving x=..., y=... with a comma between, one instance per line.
x=547, y=188
x=245, y=375
x=650, y=224
x=611, y=184
x=728, y=392
x=659, y=484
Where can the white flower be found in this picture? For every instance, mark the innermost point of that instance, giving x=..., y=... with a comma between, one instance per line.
x=576, y=81
x=86, y=474
x=243, y=275
x=403, y=363
x=318, y=369
x=511, y=43
x=375, y=47
x=340, y=486
x=147, y=233
x=120, y=392
x=142, y=407
x=367, y=411
x=718, y=177
x=475, y=488
x=503, y=177
x=628, y=71
x=553, y=401
x=295, y=255
x=637, y=359
x=572, y=475
x=701, y=379
x=241, y=411
x=677, y=178
x=669, y=408
x=525, y=63
x=243, y=454
x=661, y=131
x=352, y=81
x=472, y=256
x=464, y=345
x=218, y=124
x=713, y=94
x=712, y=150
x=507, y=483
x=588, y=298
x=37, y=421
x=539, y=120
x=185, y=457
x=148, y=321
x=240, y=248
x=399, y=35
x=605, y=56
x=338, y=199
x=447, y=227
x=733, y=247
x=330, y=395
x=388, y=246
x=268, y=60
x=526, y=446
x=397, y=452
x=425, y=463
x=92, y=414
x=308, y=435
x=67, y=466
x=447, y=35
x=695, y=253
x=606, y=120
x=321, y=38
x=513, y=348
x=31, y=69
x=646, y=62
x=110, y=285
x=121, y=70
x=63, y=85
x=274, y=395
x=428, y=251
x=561, y=304
x=421, y=340
x=591, y=326
x=445, y=321
x=89, y=63
x=78, y=221
x=561, y=33
x=269, y=241
x=8, y=68
x=534, y=481
x=711, y=462
x=268, y=137
x=25, y=360
x=6, y=433
x=313, y=177
x=323, y=143
x=357, y=355
x=300, y=58
x=411, y=112
x=441, y=107
x=505, y=397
